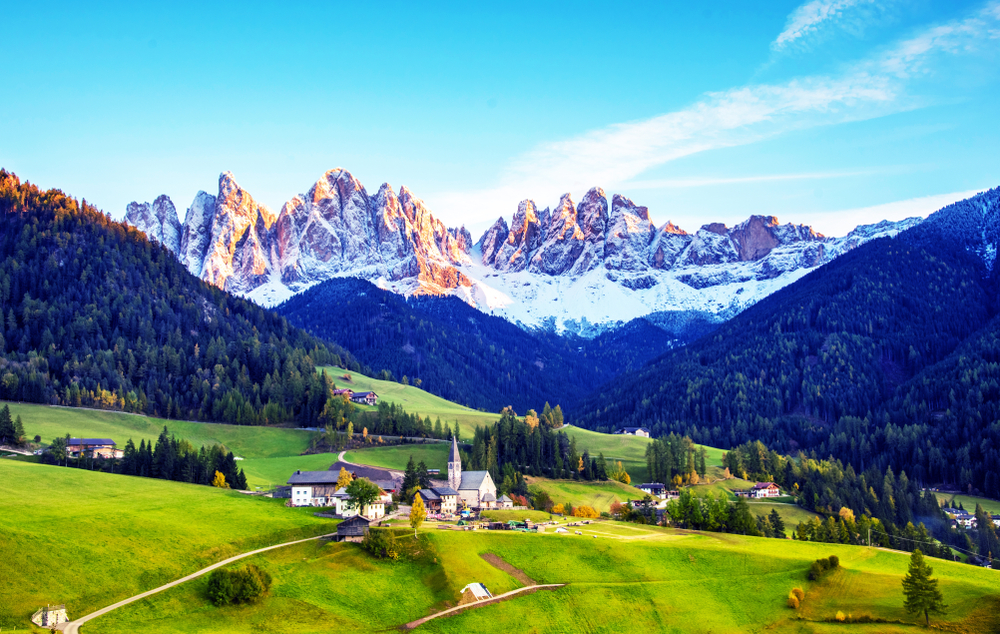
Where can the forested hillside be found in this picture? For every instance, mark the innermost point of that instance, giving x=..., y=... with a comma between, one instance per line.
x=94, y=314
x=455, y=351
x=886, y=357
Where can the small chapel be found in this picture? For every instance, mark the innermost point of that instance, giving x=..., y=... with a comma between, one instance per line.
x=475, y=488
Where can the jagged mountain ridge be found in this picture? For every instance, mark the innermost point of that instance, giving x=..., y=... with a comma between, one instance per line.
x=578, y=267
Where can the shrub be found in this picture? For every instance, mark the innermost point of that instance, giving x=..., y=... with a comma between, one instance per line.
x=243, y=585
x=841, y=616
x=381, y=542
x=799, y=594
x=834, y=562
x=822, y=565
x=793, y=601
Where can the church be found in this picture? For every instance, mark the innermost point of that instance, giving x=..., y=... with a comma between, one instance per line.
x=475, y=488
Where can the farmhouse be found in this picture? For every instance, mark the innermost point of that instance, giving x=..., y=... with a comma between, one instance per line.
x=440, y=499
x=344, y=392
x=505, y=502
x=761, y=490
x=633, y=431
x=475, y=488
x=319, y=488
x=655, y=489
x=352, y=529
x=365, y=398
x=94, y=447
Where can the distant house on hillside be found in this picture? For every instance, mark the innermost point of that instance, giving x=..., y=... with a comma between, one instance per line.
x=365, y=398
x=761, y=490
x=655, y=489
x=348, y=393
x=94, y=447
x=633, y=431
x=478, y=591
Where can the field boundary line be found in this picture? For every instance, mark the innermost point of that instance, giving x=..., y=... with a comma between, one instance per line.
x=73, y=627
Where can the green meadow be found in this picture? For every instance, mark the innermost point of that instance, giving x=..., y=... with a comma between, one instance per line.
x=89, y=539
x=969, y=502
x=246, y=442
x=620, y=577
x=434, y=456
x=415, y=400
x=268, y=472
x=598, y=495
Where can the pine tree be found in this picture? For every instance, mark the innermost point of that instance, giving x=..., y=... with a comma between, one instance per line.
x=920, y=590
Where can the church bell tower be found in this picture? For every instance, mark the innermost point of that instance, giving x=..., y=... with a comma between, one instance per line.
x=454, y=466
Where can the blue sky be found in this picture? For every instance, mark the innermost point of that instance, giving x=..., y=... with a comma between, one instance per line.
x=830, y=112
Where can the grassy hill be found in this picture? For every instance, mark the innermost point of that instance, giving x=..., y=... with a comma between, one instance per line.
x=244, y=441
x=969, y=502
x=598, y=495
x=655, y=580
x=414, y=400
x=88, y=539
x=435, y=456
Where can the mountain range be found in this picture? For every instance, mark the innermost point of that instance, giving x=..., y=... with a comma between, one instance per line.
x=581, y=268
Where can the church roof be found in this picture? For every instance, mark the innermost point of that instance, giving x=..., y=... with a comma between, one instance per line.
x=453, y=455
x=489, y=497
x=473, y=479
x=504, y=498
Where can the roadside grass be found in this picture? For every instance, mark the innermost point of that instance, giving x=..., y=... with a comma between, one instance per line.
x=414, y=400
x=245, y=441
x=969, y=502
x=267, y=472
x=88, y=539
x=435, y=456
x=598, y=495
x=654, y=579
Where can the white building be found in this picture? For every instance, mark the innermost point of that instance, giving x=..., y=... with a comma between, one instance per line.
x=475, y=488
x=319, y=488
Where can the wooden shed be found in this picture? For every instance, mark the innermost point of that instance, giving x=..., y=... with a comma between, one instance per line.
x=352, y=529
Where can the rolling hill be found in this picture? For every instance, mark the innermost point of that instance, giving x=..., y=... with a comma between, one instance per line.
x=887, y=356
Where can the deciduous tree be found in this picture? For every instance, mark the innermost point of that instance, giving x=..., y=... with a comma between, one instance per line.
x=418, y=513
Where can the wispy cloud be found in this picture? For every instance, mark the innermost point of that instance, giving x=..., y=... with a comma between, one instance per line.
x=810, y=17
x=683, y=183
x=617, y=154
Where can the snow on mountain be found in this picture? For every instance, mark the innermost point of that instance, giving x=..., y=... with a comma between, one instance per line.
x=158, y=221
x=582, y=267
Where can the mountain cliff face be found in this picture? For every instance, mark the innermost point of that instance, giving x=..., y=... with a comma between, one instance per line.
x=578, y=267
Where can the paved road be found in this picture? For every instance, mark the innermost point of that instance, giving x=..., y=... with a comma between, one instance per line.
x=73, y=627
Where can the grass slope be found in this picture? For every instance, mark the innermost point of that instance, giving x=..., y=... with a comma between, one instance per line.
x=598, y=495
x=435, y=456
x=267, y=472
x=969, y=502
x=244, y=441
x=89, y=539
x=415, y=401
x=642, y=579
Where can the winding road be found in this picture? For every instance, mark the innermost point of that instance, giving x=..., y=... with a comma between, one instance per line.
x=73, y=627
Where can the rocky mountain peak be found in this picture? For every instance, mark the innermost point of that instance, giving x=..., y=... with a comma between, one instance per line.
x=157, y=220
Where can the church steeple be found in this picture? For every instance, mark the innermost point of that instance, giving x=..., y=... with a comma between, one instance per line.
x=454, y=466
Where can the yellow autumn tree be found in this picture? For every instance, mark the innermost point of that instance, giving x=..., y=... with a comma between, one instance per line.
x=619, y=474
x=418, y=513
x=344, y=478
x=364, y=434
x=220, y=481
x=694, y=478
x=579, y=466
x=585, y=511
x=531, y=421
x=558, y=509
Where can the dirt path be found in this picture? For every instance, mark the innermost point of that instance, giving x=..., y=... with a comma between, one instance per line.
x=500, y=564
x=73, y=627
x=471, y=606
